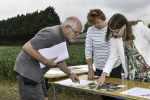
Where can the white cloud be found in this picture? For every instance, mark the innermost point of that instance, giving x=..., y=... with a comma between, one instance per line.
x=135, y=9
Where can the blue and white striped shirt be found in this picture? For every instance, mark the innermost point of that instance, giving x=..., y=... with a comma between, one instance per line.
x=95, y=42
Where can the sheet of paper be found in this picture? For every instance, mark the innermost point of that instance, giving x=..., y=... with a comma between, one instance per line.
x=122, y=86
x=59, y=50
x=71, y=67
x=54, y=72
x=139, y=92
x=96, y=76
x=82, y=66
x=69, y=82
x=86, y=69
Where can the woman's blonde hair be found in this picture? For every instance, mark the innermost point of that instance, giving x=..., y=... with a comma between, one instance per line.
x=95, y=14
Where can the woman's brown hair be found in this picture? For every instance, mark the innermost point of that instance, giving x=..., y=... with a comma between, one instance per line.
x=94, y=14
x=116, y=22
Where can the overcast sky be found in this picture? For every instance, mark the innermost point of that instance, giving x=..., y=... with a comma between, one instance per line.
x=132, y=9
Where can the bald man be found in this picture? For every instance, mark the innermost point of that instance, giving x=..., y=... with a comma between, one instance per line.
x=28, y=72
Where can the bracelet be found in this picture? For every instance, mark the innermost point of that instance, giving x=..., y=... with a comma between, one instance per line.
x=90, y=66
x=70, y=73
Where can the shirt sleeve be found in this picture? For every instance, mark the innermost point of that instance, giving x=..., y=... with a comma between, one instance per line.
x=88, y=45
x=112, y=57
x=146, y=31
x=42, y=39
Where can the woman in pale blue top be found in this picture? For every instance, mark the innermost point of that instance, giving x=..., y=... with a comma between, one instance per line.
x=96, y=44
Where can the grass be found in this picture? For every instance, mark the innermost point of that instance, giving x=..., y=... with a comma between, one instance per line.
x=8, y=84
x=9, y=91
x=8, y=55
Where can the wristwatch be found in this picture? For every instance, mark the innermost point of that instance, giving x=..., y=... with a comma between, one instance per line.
x=90, y=66
x=70, y=73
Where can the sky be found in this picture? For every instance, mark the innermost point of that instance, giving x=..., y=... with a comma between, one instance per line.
x=132, y=9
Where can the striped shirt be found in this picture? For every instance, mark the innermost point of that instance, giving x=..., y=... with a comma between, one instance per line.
x=95, y=42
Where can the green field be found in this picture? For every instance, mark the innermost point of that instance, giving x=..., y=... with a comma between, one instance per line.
x=9, y=88
x=8, y=55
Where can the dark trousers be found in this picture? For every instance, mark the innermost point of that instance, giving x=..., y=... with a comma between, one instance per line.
x=115, y=73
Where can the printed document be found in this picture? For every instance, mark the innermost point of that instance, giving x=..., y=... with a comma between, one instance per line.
x=54, y=72
x=139, y=92
x=59, y=50
x=69, y=82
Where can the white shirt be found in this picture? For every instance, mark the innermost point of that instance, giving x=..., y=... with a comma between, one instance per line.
x=141, y=41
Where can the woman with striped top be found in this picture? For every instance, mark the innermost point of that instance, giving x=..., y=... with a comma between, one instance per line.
x=95, y=43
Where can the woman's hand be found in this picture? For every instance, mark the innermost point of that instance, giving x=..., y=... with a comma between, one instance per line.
x=90, y=73
x=101, y=79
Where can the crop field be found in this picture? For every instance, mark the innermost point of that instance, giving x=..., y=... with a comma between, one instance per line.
x=8, y=84
x=8, y=55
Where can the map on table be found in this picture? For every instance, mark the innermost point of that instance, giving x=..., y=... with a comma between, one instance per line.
x=109, y=87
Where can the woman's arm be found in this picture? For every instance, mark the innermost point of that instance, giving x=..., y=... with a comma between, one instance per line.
x=113, y=56
x=110, y=62
x=146, y=32
x=88, y=53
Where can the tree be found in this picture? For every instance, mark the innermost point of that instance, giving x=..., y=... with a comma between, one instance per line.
x=23, y=27
x=86, y=26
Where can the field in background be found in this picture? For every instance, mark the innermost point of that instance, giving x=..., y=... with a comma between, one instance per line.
x=8, y=84
x=9, y=54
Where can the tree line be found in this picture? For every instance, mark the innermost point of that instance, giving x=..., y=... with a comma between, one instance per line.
x=18, y=30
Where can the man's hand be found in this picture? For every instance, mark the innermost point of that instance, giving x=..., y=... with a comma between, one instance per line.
x=91, y=73
x=74, y=78
x=101, y=79
x=50, y=62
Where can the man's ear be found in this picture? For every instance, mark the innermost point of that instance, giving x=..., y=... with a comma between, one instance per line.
x=67, y=26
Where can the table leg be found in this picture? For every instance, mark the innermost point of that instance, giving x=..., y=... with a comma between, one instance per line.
x=83, y=94
x=54, y=92
x=46, y=83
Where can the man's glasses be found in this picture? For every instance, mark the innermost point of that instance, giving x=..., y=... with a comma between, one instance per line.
x=74, y=31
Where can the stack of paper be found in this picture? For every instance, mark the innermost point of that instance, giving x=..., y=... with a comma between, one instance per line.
x=59, y=50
